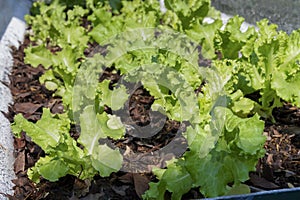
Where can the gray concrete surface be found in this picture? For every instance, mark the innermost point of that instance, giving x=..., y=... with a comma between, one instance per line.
x=12, y=37
x=284, y=13
x=12, y=8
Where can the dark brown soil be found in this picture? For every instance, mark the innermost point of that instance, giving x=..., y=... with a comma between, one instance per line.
x=279, y=168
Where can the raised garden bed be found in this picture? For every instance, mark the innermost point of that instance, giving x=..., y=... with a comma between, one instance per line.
x=259, y=115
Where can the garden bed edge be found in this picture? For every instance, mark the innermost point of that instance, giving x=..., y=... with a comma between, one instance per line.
x=13, y=36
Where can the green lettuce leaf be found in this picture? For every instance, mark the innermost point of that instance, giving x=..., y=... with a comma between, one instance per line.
x=38, y=55
x=205, y=35
x=67, y=158
x=46, y=132
x=104, y=159
x=115, y=99
x=175, y=179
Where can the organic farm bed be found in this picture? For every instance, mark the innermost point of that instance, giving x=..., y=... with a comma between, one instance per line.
x=279, y=168
x=106, y=107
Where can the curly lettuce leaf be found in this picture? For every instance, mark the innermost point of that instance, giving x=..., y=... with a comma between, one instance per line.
x=232, y=40
x=115, y=99
x=287, y=75
x=205, y=35
x=104, y=159
x=175, y=179
x=189, y=12
x=46, y=132
x=38, y=55
x=65, y=158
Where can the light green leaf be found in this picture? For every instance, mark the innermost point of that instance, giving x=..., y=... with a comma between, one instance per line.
x=106, y=160
x=232, y=39
x=250, y=136
x=205, y=35
x=175, y=179
x=247, y=132
x=38, y=55
x=115, y=98
x=52, y=169
x=46, y=132
x=66, y=59
x=111, y=125
x=75, y=37
x=287, y=75
x=201, y=141
x=287, y=88
x=91, y=131
x=114, y=122
x=243, y=106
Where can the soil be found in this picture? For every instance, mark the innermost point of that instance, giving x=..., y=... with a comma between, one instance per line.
x=279, y=168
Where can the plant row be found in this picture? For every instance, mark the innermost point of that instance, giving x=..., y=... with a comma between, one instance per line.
x=248, y=75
